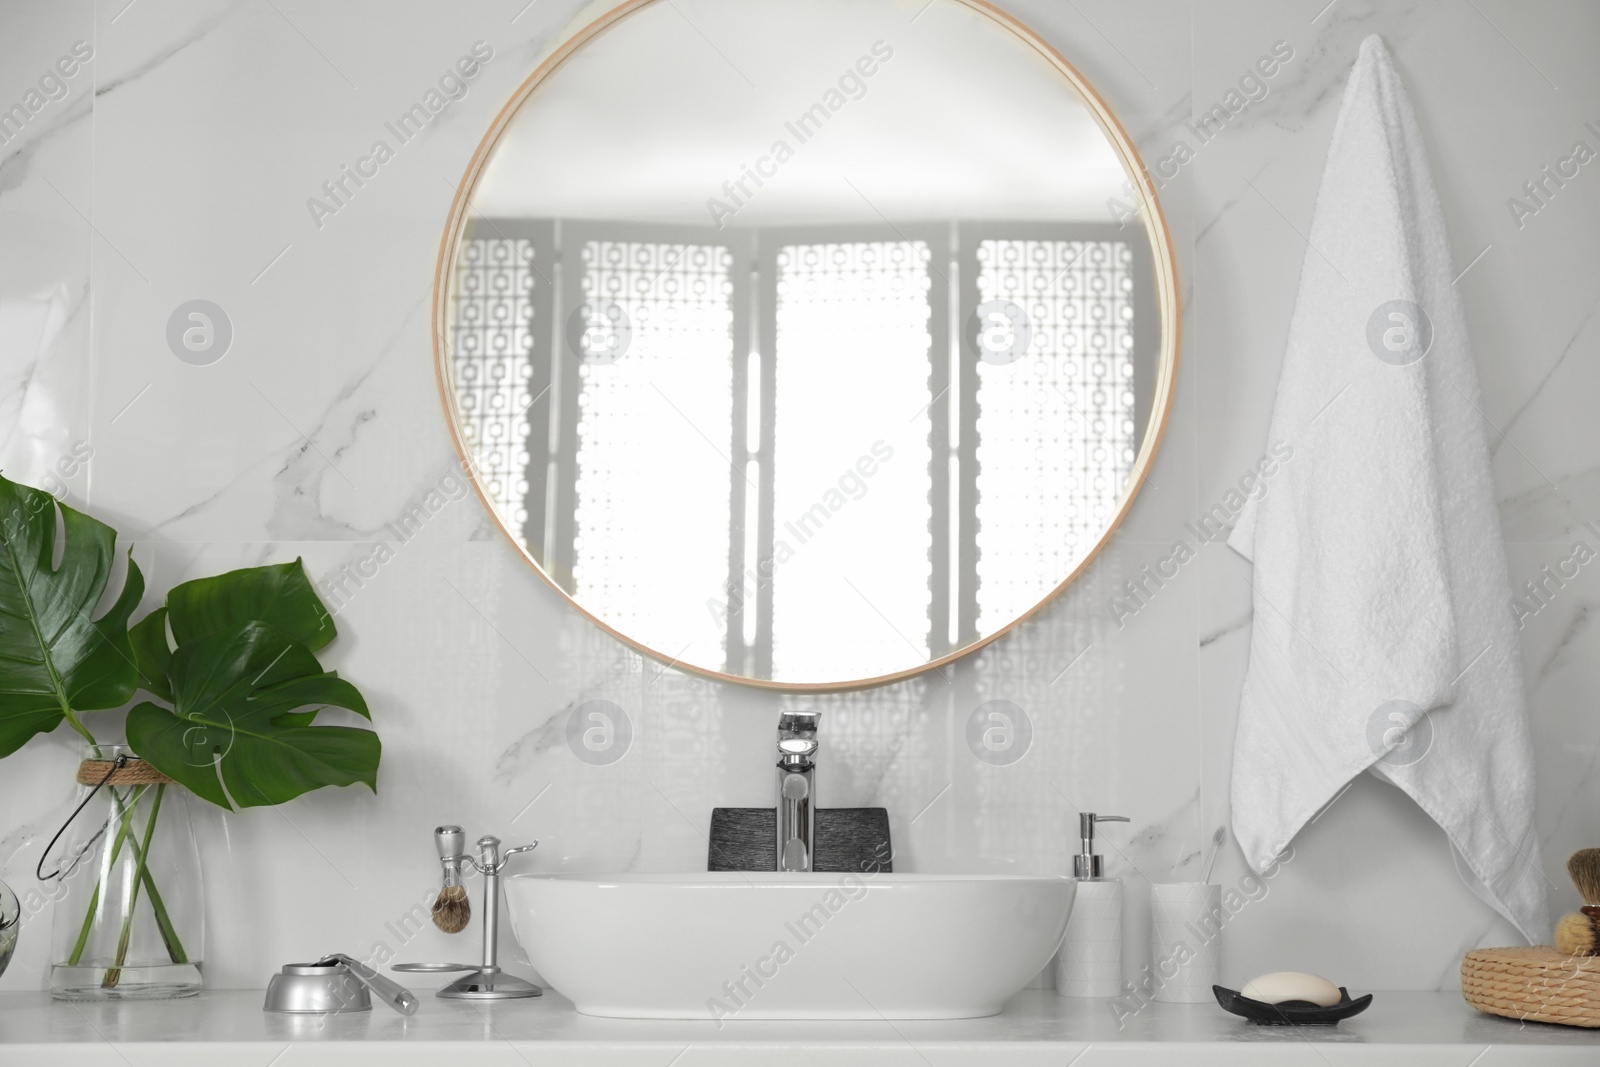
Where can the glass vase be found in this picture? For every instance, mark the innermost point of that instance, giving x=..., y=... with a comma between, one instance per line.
x=131, y=923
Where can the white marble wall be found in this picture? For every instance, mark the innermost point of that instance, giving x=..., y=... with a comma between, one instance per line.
x=178, y=166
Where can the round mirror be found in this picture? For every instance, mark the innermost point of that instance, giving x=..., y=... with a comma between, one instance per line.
x=806, y=343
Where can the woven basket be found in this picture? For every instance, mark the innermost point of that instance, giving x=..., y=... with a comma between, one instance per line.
x=1533, y=983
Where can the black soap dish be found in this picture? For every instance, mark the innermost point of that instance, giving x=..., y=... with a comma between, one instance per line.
x=1291, y=1012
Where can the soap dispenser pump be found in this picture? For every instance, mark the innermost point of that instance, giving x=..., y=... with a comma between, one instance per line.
x=1090, y=961
x=1086, y=864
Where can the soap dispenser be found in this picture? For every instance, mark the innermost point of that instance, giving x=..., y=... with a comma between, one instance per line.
x=1090, y=961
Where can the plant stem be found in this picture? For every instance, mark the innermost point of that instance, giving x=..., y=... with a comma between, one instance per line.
x=94, y=899
x=83, y=933
x=83, y=731
x=169, y=933
x=114, y=973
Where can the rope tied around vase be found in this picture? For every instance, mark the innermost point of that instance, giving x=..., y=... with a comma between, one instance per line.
x=124, y=770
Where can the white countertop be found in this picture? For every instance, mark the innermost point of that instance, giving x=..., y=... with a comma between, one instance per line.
x=229, y=1027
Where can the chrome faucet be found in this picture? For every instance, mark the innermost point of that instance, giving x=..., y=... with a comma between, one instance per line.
x=797, y=788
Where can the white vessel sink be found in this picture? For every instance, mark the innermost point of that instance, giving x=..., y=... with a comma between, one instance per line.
x=730, y=945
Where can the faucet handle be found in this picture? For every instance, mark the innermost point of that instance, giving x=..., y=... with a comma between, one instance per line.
x=802, y=722
x=797, y=739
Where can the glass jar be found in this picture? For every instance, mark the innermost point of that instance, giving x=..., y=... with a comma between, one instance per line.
x=131, y=922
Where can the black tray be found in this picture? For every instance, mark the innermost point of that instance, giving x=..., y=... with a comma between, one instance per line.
x=1291, y=1012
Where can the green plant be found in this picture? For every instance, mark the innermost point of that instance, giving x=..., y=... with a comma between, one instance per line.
x=233, y=658
x=55, y=661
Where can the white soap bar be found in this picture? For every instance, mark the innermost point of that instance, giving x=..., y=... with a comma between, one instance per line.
x=1279, y=986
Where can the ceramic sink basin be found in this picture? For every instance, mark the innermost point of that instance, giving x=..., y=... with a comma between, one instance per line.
x=730, y=945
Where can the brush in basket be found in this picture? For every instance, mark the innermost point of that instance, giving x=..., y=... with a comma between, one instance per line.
x=1540, y=983
x=1578, y=934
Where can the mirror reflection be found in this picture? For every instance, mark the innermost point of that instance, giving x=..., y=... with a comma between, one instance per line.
x=804, y=342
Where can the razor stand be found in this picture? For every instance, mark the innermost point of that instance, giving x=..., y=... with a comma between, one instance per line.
x=486, y=981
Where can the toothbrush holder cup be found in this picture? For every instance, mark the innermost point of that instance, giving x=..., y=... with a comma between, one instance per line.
x=1186, y=940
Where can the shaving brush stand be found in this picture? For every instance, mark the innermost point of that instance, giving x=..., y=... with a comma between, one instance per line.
x=486, y=981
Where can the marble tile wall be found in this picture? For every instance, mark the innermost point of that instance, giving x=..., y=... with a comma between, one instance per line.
x=177, y=167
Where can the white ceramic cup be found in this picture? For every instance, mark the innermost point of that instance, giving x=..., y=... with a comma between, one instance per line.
x=1186, y=940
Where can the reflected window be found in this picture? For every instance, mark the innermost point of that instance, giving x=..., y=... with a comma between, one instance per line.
x=852, y=329
x=492, y=355
x=804, y=386
x=651, y=438
x=1065, y=420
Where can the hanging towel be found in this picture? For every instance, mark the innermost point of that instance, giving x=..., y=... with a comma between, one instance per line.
x=1383, y=636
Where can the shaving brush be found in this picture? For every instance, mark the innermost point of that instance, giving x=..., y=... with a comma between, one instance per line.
x=1578, y=934
x=452, y=910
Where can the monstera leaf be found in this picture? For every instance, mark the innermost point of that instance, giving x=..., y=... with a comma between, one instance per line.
x=152, y=654
x=238, y=721
x=240, y=674
x=278, y=596
x=55, y=659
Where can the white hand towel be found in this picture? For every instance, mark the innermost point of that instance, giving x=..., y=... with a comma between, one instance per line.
x=1383, y=635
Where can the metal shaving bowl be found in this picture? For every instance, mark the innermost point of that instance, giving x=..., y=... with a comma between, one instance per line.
x=316, y=988
x=10, y=920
